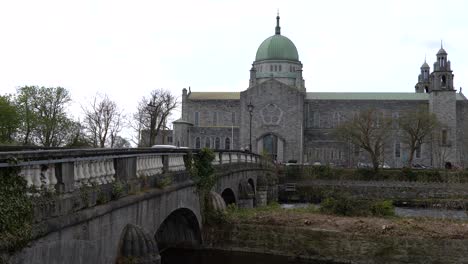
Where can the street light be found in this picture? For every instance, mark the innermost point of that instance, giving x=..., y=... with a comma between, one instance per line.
x=151, y=108
x=250, y=108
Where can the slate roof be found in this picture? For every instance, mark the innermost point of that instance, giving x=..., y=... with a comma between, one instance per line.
x=374, y=96
x=326, y=96
x=214, y=96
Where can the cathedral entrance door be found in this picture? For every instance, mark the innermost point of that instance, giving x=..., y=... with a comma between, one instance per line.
x=271, y=145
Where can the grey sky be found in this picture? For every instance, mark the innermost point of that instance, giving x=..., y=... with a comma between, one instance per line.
x=128, y=48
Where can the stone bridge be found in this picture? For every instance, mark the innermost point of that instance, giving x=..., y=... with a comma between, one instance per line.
x=107, y=205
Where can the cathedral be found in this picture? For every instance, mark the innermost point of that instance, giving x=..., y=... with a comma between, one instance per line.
x=276, y=115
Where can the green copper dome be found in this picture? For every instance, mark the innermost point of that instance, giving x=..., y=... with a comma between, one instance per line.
x=277, y=47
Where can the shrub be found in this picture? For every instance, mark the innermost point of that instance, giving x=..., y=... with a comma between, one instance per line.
x=117, y=189
x=408, y=174
x=16, y=210
x=346, y=205
x=365, y=174
x=383, y=208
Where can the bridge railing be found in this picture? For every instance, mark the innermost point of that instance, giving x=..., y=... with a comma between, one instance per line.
x=65, y=171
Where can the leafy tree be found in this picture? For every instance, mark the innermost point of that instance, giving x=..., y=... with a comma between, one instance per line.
x=417, y=126
x=103, y=121
x=9, y=119
x=368, y=130
x=152, y=115
x=25, y=103
x=52, y=121
x=44, y=120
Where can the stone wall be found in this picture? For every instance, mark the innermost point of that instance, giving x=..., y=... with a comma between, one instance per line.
x=328, y=245
x=323, y=116
x=393, y=190
x=278, y=110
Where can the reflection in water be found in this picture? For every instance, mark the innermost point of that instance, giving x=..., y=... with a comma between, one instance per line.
x=176, y=256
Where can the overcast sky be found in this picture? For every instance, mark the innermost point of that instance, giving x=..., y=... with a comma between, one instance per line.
x=127, y=48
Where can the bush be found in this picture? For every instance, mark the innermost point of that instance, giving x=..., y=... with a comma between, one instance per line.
x=408, y=174
x=16, y=210
x=383, y=208
x=346, y=205
x=366, y=174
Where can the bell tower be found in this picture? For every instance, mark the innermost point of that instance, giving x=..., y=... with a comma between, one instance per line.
x=442, y=102
x=424, y=85
x=442, y=77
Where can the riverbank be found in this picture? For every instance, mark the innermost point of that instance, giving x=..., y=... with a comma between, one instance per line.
x=304, y=233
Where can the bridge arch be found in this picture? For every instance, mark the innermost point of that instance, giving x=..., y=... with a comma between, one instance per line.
x=180, y=228
x=228, y=196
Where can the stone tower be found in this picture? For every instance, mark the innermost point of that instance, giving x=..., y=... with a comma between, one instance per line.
x=442, y=102
x=274, y=100
x=424, y=85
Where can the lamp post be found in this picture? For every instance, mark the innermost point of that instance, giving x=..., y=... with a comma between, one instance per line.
x=151, y=108
x=250, y=108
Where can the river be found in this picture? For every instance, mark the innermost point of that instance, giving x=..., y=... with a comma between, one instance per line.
x=176, y=256
x=407, y=211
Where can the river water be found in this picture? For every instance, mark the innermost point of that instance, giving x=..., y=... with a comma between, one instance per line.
x=407, y=211
x=176, y=256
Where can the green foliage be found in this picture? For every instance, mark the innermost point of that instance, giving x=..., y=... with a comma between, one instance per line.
x=42, y=112
x=346, y=205
x=215, y=217
x=9, y=119
x=366, y=174
x=118, y=189
x=202, y=173
x=408, y=173
x=165, y=181
x=383, y=208
x=101, y=197
x=16, y=210
x=202, y=170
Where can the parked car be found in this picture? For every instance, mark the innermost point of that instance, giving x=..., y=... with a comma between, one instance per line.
x=316, y=164
x=164, y=146
x=363, y=165
x=418, y=166
x=384, y=166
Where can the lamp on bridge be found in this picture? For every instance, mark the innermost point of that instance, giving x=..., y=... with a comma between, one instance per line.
x=250, y=108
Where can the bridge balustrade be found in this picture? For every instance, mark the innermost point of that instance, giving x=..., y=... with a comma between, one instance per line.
x=149, y=165
x=67, y=170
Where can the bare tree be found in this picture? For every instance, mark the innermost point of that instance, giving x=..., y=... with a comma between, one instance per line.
x=152, y=115
x=102, y=121
x=417, y=126
x=368, y=130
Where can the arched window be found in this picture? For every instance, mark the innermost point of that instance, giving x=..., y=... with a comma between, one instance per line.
x=279, y=67
x=207, y=142
x=443, y=81
x=271, y=67
x=444, y=137
x=217, y=143
x=197, y=143
x=227, y=143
